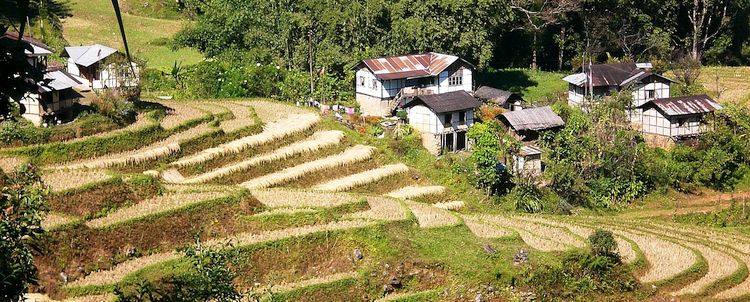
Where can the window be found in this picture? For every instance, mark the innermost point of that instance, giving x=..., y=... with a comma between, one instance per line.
x=362, y=81
x=650, y=94
x=374, y=83
x=462, y=117
x=457, y=78
x=448, y=119
x=681, y=122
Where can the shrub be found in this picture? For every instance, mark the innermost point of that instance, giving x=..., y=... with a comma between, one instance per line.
x=603, y=243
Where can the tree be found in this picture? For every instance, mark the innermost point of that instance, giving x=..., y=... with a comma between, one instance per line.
x=536, y=15
x=17, y=76
x=22, y=207
x=209, y=277
x=490, y=145
x=707, y=19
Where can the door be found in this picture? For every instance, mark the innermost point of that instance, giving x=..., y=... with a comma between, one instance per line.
x=460, y=141
x=448, y=142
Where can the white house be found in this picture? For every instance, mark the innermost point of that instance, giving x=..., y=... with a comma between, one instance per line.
x=604, y=79
x=384, y=83
x=677, y=118
x=100, y=67
x=443, y=119
x=55, y=93
x=55, y=96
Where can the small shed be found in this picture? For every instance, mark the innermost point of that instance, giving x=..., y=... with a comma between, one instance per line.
x=502, y=98
x=444, y=117
x=527, y=123
x=678, y=117
x=528, y=161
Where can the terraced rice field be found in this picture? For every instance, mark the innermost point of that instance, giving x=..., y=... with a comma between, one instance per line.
x=686, y=262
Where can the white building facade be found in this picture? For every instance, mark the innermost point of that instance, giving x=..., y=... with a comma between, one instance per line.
x=382, y=82
x=443, y=120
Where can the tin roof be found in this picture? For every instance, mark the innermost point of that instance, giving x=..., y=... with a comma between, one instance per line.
x=39, y=48
x=685, y=105
x=495, y=95
x=409, y=66
x=620, y=74
x=539, y=118
x=57, y=80
x=530, y=150
x=88, y=55
x=446, y=102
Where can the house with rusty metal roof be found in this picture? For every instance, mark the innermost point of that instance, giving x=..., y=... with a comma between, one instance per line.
x=677, y=118
x=596, y=81
x=443, y=119
x=384, y=83
x=100, y=67
x=526, y=124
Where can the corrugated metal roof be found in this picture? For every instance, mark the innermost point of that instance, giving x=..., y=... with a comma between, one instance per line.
x=539, y=118
x=57, y=80
x=685, y=105
x=496, y=95
x=620, y=74
x=410, y=66
x=530, y=150
x=39, y=48
x=446, y=102
x=88, y=55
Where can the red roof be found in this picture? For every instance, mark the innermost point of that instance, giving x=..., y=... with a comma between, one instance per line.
x=410, y=66
x=14, y=36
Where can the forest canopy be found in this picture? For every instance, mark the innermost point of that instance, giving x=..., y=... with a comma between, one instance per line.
x=489, y=33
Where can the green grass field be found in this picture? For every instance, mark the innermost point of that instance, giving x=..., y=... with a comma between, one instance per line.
x=94, y=21
x=533, y=86
x=727, y=84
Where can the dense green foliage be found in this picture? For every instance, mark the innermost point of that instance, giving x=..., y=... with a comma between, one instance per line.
x=736, y=215
x=22, y=208
x=597, y=160
x=603, y=243
x=580, y=274
x=208, y=277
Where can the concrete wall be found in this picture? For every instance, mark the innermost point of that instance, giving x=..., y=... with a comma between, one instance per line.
x=372, y=106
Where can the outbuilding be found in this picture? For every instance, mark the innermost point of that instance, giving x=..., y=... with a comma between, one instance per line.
x=526, y=124
x=677, y=118
x=443, y=119
x=502, y=98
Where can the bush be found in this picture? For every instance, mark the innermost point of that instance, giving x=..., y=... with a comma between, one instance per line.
x=114, y=106
x=580, y=275
x=603, y=243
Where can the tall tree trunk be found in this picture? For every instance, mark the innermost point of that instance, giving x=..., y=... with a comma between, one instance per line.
x=561, y=49
x=533, y=53
x=696, y=18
